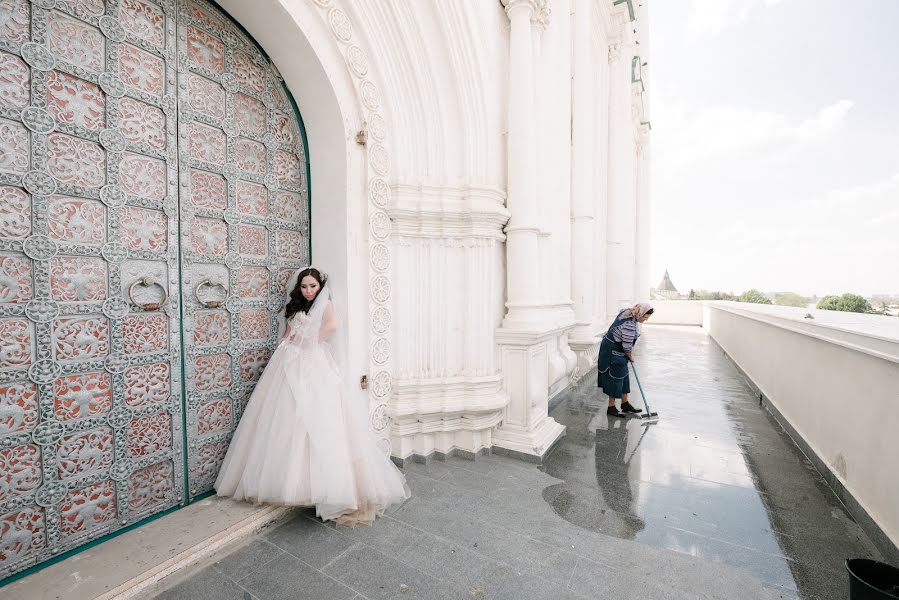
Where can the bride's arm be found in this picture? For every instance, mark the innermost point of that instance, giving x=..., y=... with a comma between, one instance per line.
x=286, y=333
x=330, y=324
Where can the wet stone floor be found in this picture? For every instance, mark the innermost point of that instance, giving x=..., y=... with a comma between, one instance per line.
x=712, y=501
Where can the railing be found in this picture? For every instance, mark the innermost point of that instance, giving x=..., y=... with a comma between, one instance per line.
x=833, y=382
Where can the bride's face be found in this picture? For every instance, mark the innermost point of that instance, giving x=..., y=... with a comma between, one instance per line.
x=309, y=287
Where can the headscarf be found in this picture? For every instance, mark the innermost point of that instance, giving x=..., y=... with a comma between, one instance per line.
x=638, y=311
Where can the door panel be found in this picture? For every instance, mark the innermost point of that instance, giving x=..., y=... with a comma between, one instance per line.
x=90, y=391
x=147, y=147
x=243, y=212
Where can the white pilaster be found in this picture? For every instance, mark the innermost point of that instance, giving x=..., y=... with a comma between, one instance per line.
x=529, y=338
x=641, y=291
x=523, y=231
x=585, y=335
x=621, y=219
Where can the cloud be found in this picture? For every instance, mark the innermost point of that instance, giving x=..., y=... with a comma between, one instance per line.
x=684, y=136
x=711, y=17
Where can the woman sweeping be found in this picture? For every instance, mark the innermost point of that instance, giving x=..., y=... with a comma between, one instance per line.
x=614, y=354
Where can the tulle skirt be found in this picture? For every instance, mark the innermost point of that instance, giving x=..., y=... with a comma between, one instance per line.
x=303, y=442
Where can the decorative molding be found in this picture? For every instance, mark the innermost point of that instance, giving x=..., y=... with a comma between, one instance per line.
x=380, y=278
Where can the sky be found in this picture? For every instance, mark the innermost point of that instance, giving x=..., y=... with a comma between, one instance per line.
x=775, y=145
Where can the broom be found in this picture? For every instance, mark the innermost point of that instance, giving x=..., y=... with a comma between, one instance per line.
x=647, y=412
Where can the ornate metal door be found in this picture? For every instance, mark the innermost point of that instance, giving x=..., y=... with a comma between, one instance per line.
x=243, y=194
x=151, y=173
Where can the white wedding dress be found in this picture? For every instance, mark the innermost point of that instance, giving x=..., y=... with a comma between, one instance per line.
x=303, y=439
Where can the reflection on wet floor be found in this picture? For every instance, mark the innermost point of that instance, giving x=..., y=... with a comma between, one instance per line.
x=715, y=477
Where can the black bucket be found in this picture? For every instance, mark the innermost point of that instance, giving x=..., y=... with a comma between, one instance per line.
x=872, y=580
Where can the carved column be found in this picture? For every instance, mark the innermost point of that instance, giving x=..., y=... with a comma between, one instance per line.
x=523, y=231
x=530, y=334
x=641, y=291
x=621, y=220
x=584, y=337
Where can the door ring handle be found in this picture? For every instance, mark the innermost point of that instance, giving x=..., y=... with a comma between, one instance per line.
x=210, y=303
x=148, y=282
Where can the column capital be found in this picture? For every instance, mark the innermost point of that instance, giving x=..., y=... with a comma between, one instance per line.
x=538, y=11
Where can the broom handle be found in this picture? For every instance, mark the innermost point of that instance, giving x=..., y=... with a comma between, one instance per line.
x=634, y=367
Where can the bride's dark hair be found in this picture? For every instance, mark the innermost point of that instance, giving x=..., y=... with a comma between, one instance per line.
x=297, y=302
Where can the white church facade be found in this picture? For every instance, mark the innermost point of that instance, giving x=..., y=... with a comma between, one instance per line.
x=472, y=174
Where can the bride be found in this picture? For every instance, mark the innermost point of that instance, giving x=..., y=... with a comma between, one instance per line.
x=303, y=439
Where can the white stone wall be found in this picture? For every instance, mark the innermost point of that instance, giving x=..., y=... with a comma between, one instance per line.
x=496, y=214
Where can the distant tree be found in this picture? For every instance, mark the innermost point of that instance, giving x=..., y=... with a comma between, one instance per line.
x=754, y=296
x=692, y=295
x=791, y=299
x=845, y=303
x=829, y=303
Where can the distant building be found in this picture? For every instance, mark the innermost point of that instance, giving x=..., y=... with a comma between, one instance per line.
x=666, y=289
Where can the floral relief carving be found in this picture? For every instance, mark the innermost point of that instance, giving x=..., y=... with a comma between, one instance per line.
x=252, y=240
x=252, y=283
x=255, y=324
x=143, y=20
x=75, y=101
x=15, y=147
x=250, y=156
x=16, y=23
x=207, y=143
x=19, y=410
x=83, y=453
x=141, y=123
x=281, y=282
x=287, y=168
x=289, y=244
x=77, y=278
x=284, y=129
x=204, y=18
x=209, y=236
x=288, y=206
x=146, y=385
x=82, y=396
x=206, y=96
x=15, y=81
x=252, y=362
x=76, y=220
x=91, y=7
x=205, y=50
x=75, y=161
x=151, y=485
x=77, y=338
x=212, y=372
x=141, y=70
x=142, y=176
x=143, y=229
x=148, y=435
x=252, y=198
x=248, y=73
x=76, y=41
x=145, y=333
x=15, y=212
x=208, y=190
x=214, y=416
x=250, y=114
x=212, y=328
x=16, y=280
x=87, y=508
x=21, y=468
x=22, y=533
x=208, y=461
x=15, y=343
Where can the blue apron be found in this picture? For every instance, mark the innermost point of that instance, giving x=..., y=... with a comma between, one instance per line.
x=612, y=372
